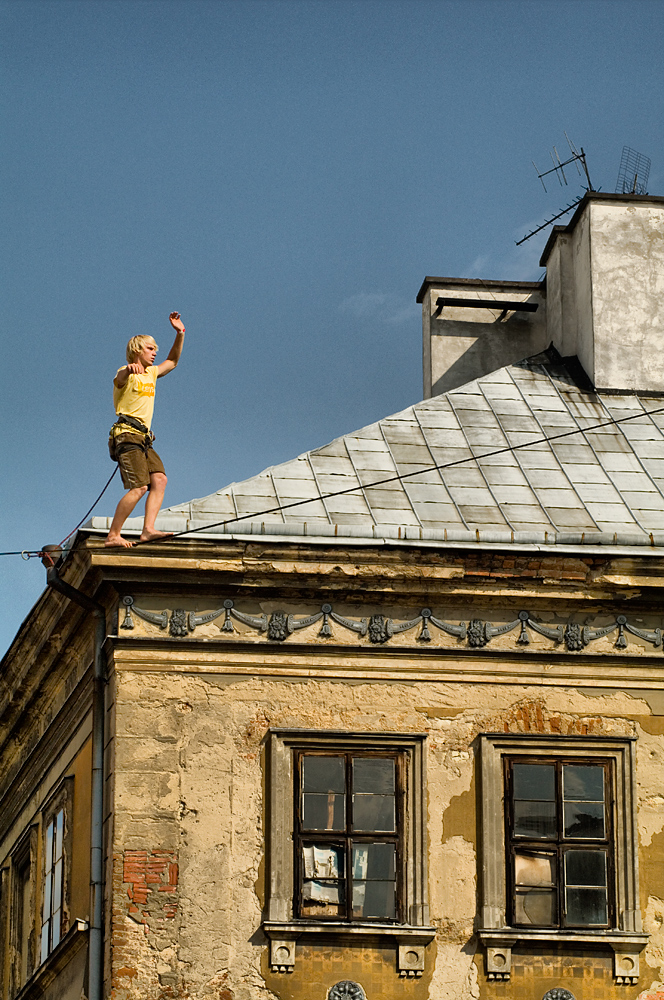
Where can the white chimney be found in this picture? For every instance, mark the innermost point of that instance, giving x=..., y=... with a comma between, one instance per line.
x=605, y=290
x=602, y=301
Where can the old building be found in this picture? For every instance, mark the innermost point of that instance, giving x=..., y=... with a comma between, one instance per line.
x=385, y=721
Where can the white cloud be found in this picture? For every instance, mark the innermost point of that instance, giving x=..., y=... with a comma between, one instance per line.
x=381, y=307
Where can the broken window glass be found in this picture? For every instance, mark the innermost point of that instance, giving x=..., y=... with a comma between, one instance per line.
x=349, y=878
x=561, y=802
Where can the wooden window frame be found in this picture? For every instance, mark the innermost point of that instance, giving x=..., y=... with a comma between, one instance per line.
x=347, y=837
x=496, y=930
x=281, y=924
x=23, y=856
x=62, y=799
x=561, y=844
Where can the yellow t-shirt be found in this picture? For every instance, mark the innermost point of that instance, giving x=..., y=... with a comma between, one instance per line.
x=136, y=397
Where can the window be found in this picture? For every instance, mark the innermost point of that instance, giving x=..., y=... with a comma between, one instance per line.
x=346, y=846
x=348, y=836
x=22, y=910
x=56, y=848
x=560, y=846
x=54, y=872
x=559, y=849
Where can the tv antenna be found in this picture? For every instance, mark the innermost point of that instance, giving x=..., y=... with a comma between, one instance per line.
x=633, y=173
x=578, y=158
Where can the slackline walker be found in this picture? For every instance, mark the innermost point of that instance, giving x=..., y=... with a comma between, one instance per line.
x=130, y=439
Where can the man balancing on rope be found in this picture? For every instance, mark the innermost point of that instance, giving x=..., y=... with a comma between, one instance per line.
x=130, y=440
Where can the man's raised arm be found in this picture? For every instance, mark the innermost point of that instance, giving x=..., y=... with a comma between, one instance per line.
x=176, y=350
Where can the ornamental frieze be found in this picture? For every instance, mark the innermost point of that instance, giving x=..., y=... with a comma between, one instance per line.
x=379, y=629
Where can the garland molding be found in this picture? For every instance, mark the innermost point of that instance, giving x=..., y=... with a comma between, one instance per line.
x=379, y=629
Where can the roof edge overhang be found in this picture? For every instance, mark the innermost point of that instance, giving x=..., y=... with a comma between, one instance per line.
x=606, y=544
x=479, y=283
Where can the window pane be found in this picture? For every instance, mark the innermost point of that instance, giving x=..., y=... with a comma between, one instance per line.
x=323, y=812
x=584, y=820
x=57, y=886
x=535, y=819
x=323, y=881
x=48, y=855
x=374, y=812
x=374, y=881
x=373, y=775
x=534, y=781
x=536, y=906
x=586, y=907
x=535, y=869
x=47, y=896
x=374, y=861
x=59, y=826
x=43, y=950
x=585, y=868
x=55, y=928
x=323, y=774
x=583, y=783
x=322, y=899
x=323, y=861
x=374, y=900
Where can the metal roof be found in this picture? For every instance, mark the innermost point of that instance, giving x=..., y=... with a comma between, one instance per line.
x=598, y=485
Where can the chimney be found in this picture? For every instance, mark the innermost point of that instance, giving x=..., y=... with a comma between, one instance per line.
x=602, y=301
x=471, y=327
x=605, y=290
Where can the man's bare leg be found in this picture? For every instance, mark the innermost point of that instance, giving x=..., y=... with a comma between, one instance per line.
x=153, y=503
x=122, y=512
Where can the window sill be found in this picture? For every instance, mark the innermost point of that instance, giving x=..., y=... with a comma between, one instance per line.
x=62, y=954
x=626, y=946
x=411, y=940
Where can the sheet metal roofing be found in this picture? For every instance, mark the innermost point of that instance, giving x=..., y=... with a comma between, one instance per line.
x=597, y=486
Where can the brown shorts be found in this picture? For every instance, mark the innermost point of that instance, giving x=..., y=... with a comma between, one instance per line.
x=136, y=466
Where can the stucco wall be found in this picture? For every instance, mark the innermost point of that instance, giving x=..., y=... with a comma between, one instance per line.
x=190, y=830
x=627, y=253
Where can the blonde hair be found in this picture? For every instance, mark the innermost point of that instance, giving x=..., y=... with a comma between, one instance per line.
x=136, y=344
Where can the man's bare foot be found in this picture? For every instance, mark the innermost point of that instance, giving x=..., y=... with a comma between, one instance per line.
x=151, y=536
x=118, y=540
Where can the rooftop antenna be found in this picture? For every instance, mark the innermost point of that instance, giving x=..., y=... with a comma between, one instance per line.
x=633, y=173
x=578, y=158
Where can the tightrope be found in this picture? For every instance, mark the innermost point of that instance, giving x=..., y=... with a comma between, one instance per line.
x=614, y=421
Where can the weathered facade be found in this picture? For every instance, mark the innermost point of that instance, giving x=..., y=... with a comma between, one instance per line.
x=402, y=737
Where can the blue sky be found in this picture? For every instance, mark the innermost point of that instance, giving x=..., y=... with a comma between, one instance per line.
x=284, y=173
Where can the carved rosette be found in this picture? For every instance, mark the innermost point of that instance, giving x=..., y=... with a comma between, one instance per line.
x=346, y=990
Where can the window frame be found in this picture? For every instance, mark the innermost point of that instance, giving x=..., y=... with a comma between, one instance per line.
x=561, y=844
x=281, y=923
x=23, y=945
x=496, y=929
x=62, y=800
x=347, y=838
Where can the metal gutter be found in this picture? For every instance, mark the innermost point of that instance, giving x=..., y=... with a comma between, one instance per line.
x=96, y=945
x=589, y=543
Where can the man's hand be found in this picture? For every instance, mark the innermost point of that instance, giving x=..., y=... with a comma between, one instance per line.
x=176, y=322
x=176, y=350
x=122, y=376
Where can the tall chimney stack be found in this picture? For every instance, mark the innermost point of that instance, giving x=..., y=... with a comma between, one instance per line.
x=602, y=301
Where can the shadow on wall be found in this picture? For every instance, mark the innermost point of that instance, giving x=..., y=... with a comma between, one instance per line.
x=494, y=346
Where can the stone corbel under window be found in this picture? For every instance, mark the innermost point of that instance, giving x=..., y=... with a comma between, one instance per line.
x=411, y=942
x=626, y=946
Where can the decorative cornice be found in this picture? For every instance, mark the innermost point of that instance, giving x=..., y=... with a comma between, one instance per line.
x=379, y=628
